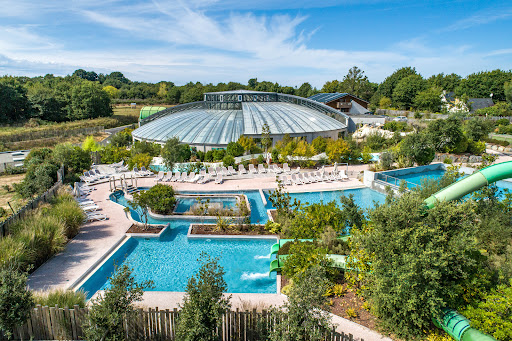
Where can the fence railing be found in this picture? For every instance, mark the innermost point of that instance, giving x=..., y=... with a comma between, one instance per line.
x=45, y=197
x=394, y=181
x=53, y=323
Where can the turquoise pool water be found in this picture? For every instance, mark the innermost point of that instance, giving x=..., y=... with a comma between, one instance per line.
x=172, y=259
x=184, y=204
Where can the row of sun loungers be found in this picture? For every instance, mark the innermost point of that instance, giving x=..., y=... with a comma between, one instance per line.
x=311, y=177
x=87, y=205
x=93, y=176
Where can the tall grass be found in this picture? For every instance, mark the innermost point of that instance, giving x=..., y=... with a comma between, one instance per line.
x=41, y=233
x=62, y=298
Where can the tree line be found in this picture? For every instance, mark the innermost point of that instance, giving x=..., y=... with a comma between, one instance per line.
x=86, y=94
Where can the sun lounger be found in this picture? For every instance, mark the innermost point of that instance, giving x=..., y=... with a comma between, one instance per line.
x=204, y=180
x=211, y=171
x=286, y=169
x=95, y=216
x=167, y=177
x=342, y=175
x=261, y=169
x=192, y=177
x=88, y=208
x=303, y=178
x=160, y=176
x=218, y=170
x=175, y=177
x=318, y=177
x=241, y=170
x=146, y=172
x=310, y=177
x=85, y=202
x=287, y=180
x=276, y=169
x=252, y=170
x=295, y=180
x=225, y=171
x=202, y=172
x=231, y=170
x=218, y=180
x=183, y=177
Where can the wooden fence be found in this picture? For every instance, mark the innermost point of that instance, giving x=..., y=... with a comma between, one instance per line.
x=53, y=323
x=32, y=204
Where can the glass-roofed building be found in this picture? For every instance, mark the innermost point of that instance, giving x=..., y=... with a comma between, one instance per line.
x=222, y=117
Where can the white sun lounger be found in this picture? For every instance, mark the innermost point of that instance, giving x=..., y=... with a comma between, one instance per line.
x=225, y=171
x=218, y=180
x=205, y=179
x=252, y=170
x=146, y=172
x=211, y=171
x=303, y=178
x=95, y=216
x=160, y=176
x=277, y=169
x=295, y=180
x=183, y=177
x=175, y=177
x=192, y=177
x=241, y=170
x=318, y=177
x=287, y=180
x=167, y=177
x=231, y=170
x=261, y=169
x=342, y=175
x=88, y=208
x=286, y=168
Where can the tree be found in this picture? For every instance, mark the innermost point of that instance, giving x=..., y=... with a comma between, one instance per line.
x=174, y=152
x=447, y=135
x=48, y=104
x=235, y=149
x=74, y=158
x=507, y=89
x=498, y=109
x=90, y=145
x=483, y=84
x=266, y=140
x=305, y=90
x=109, y=313
x=203, y=305
x=445, y=82
x=407, y=89
x=429, y=99
x=88, y=100
x=423, y=260
x=337, y=150
x=304, y=316
x=478, y=128
x=385, y=102
x=16, y=300
x=111, y=91
x=417, y=148
x=355, y=82
x=15, y=105
x=247, y=143
x=387, y=87
x=319, y=144
x=228, y=160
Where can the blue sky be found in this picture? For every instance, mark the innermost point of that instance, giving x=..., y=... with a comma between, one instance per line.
x=289, y=42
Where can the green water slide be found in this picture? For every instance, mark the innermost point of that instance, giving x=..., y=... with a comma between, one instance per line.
x=455, y=324
x=472, y=183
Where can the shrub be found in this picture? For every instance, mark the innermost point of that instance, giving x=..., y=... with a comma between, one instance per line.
x=275, y=155
x=260, y=159
x=203, y=306
x=219, y=154
x=319, y=144
x=90, y=145
x=447, y=161
x=113, y=154
x=228, y=160
x=62, y=298
x=235, y=149
x=502, y=122
x=351, y=313
x=498, y=142
x=159, y=198
x=143, y=147
x=476, y=147
x=108, y=313
x=15, y=300
x=303, y=256
x=140, y=160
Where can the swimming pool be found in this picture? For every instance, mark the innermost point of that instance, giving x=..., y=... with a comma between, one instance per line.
x=172, y=259
x=184, y=204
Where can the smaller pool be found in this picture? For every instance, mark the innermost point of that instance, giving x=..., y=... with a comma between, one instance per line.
x=184, y=204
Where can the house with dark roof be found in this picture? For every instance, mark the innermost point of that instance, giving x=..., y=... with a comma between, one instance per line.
x=343, y=102
x=479, y=103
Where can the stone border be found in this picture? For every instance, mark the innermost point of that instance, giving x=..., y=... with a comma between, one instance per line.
x=99, y=263
x=263, y=197
x=230, y=236
x=150, y=235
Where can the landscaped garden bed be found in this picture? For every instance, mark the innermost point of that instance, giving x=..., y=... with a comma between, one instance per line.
x=135, y=228
x=213, y=229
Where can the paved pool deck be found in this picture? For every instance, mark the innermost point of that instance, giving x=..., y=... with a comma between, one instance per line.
x=96, y=239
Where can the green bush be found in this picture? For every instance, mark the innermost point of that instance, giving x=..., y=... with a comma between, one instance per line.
x=160, y=198
x=228, y=160
x=502, y=122
x=143, y=147
x=235, y=149
x=113, y=154
x=476, y=147
x=261, y=159
x=219, y=154
x=447, y=161
x=60, y=297
x=15, y=300
x=140, y=160
x=498, y=142
x=275, y=155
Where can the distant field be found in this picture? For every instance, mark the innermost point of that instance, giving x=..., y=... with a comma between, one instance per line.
x=500, y=137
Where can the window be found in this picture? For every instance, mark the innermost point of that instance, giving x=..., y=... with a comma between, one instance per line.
x=222, y=98
x=239, y=98
x=255, y=98
x=205, y=98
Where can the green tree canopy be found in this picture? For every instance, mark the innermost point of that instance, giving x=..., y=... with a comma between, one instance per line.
x=407, y=89
x=88, y=100
x=482, y=84
x=447, y=135
x=16, y=300
x=15, y=105
x=429, y=99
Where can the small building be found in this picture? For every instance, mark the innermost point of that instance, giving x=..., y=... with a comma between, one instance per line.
x=479, y=103
x=343, y=102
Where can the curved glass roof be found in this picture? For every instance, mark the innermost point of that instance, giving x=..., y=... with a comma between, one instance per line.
x=219, y=127
x=148, y=111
